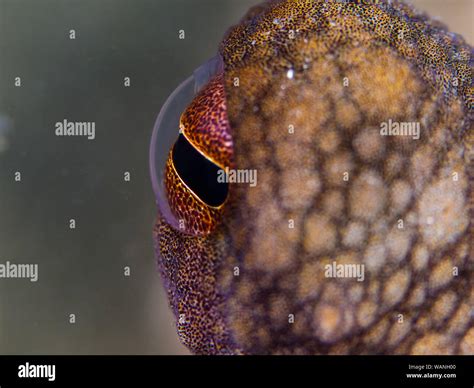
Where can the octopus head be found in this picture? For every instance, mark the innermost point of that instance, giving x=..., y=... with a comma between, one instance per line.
x=317, y=197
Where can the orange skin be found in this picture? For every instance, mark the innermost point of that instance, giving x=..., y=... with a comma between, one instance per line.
x=251, y=278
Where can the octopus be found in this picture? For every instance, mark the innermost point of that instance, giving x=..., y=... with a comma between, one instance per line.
x=357, y=118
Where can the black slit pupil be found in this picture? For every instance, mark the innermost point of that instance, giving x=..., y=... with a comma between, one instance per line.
x=199, y=173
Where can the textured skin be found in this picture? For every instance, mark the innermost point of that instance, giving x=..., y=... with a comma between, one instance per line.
x=333, y=189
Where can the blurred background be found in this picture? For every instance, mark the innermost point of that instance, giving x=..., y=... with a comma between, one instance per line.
x=81, y=271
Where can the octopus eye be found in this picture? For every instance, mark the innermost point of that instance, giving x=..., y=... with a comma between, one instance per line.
x=190, y=148
x=198, y=173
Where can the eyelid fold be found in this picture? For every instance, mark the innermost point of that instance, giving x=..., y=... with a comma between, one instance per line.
x=205, y=124
x=166, y=130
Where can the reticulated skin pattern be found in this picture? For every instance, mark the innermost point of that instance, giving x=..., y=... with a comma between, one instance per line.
x=309, y=87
